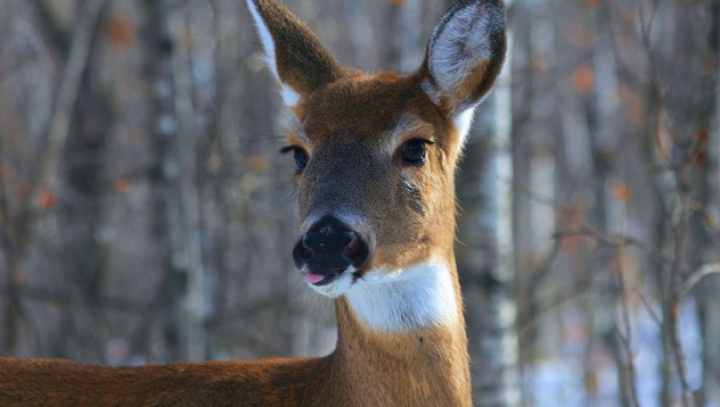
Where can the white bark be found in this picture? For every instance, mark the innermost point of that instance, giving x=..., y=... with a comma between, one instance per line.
x=499, y=379
x=195, y=296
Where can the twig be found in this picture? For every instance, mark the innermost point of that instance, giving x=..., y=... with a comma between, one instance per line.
x=54, y=32
x=611, y=240
x=671, y=305
x=56, y=134
x=699, y=274
x=626, y=339
x=655, y=317
x=572, y=293
x=65, y=298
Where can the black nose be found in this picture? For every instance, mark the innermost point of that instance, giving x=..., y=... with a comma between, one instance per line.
x=329, y=247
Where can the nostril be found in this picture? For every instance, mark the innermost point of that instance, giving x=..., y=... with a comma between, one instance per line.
x=304, y=246
x=353, y=247
x=306, y=253
x=346, y=239
x=302, y=253
x=356, y=252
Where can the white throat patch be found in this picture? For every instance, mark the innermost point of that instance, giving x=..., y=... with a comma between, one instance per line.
x=419, y=296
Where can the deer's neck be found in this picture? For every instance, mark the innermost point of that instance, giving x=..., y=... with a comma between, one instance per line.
x=402, y=340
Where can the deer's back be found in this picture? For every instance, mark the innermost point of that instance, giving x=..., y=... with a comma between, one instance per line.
x=56, y=383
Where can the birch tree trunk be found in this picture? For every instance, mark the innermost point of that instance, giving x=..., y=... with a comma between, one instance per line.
x=486, y=256
x=165, y=309
x=82, y=215
x=195, y=302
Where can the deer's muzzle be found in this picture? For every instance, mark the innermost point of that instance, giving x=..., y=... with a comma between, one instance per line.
x=328, y=249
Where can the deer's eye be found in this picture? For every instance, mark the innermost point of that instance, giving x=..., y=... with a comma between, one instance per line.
x=413, y=152
x=300, y=156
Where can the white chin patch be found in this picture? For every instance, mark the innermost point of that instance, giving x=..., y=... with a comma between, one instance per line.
x=419, y=296
x=336, y=287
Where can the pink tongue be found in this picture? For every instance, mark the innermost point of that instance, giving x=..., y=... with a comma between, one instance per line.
x=314, y=278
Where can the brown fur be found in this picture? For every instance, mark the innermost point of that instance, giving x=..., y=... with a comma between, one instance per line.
x=423, y=368
x=303, y=63
x=352, y=165
x=349, y=126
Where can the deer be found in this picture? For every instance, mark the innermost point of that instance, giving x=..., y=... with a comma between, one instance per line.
x=375, y=157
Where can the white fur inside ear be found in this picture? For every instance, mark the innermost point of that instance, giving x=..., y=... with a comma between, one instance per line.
x=463, y=122
x=420, y=296
x=265, y=37
x=289, y=95
x=459, y=45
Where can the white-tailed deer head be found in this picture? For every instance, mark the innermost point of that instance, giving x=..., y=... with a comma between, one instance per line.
x=375, y=153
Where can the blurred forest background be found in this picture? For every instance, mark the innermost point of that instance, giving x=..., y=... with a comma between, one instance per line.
x=145, y=216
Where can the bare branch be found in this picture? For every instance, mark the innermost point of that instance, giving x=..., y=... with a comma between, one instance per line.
x=698, y=275
x=66, y=298
x=56, y=134
x=53, y=32
x=625, y=338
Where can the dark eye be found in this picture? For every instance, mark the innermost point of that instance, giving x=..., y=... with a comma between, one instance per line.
x=413, y=152
x=300, y=156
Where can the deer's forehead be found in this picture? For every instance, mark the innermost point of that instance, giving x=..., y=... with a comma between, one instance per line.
x=372, y=109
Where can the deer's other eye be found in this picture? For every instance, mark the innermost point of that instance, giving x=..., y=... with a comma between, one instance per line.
x=300, y=156
x=413, y=152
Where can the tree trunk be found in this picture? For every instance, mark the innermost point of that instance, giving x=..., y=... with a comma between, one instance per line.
x=164, y=180
x=195, y=302
x=486, y=256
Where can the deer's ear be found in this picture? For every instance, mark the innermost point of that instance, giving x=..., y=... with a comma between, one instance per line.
x=464, y=56
x=292, y=52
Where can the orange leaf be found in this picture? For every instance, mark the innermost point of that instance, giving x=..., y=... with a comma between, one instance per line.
x=621, y=192
x=708, y=66
x=711, y=220
x=701, y=158
x=634, y=105
x=19, y=276
x=121, y=186
x=622, y=261
x=539, y=64
x=120, y=32
x=592, y=382
x=47, y=199
x=7, y=172
x=258, y=163
x=701, y=135
x=583, y=79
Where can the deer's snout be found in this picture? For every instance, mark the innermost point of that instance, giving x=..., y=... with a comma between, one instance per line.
x=329, y=247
